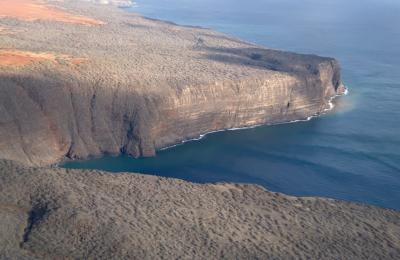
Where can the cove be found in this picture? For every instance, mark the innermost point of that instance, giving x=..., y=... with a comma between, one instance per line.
x=351, y=153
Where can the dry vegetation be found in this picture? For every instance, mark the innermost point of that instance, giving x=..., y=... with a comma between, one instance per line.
x=96, y=215
x=23, y=58
x=133, y=85
x=32, y=10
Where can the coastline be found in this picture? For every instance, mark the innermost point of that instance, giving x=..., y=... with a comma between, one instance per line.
x=331, y=106
x=150, y=217
x=131, y=87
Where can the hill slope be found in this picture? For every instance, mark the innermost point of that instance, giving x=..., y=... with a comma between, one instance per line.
x=97, y=215
x=83, y=79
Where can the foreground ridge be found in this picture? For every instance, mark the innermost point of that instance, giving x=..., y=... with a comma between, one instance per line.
x=94, y=214
x=82, y=79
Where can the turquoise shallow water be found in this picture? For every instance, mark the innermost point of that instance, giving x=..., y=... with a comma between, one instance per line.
x=352, y=153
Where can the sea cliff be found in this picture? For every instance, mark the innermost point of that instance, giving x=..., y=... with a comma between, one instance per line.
x=106, y=81
x=79, y=79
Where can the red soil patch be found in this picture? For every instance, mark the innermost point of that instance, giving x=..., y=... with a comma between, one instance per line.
x=32, y=10
x=23, y=58
x=78, y=61
x=20, y=58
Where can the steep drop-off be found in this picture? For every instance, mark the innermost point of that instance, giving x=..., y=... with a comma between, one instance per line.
x=134, y=85
x=82, y=80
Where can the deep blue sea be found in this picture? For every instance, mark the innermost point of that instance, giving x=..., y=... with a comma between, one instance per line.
x=352, y=153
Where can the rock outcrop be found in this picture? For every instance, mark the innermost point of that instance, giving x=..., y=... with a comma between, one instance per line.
x=133, y=85
x=94, y=215
x=82, y=80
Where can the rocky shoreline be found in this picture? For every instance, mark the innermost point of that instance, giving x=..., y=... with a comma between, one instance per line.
x=133, y=85
x=82, y=79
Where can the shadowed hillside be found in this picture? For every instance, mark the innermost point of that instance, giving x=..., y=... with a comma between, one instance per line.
x=133, y=85
x=82, y=79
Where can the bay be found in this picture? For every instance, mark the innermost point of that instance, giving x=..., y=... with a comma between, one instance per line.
x=351, y=153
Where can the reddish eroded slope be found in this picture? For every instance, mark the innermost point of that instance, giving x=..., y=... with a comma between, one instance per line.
x=23, y=58
x=32, y=10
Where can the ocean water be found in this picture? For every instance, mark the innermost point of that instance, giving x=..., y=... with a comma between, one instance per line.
x=351, y=153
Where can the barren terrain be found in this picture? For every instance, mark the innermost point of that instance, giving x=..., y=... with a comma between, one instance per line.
x=23, y=58
x=134, y=85
x=32, y=10
x=97, y=215
x=79, y=79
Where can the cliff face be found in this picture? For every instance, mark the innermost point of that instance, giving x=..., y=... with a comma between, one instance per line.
x=133, y=85
x=78, y=79
x=279, y=97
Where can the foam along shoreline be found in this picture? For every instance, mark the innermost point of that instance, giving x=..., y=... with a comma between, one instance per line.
x=94, y=109
x=330, y=107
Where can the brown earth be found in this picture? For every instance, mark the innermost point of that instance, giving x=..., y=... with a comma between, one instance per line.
x=23, y=58
x=32, y=10
x=134, y=85
x=70, y=214
x=20, y=58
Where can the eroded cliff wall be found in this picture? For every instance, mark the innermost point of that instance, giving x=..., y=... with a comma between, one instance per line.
x=133, y=85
